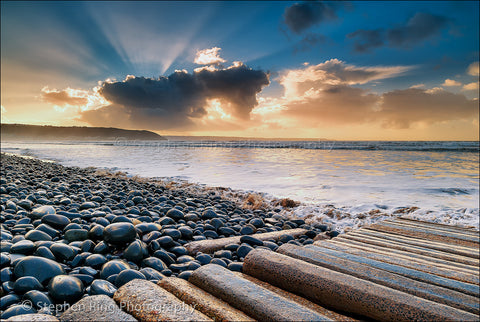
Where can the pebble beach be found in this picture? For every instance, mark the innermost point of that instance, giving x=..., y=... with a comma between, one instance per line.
x=69, y=233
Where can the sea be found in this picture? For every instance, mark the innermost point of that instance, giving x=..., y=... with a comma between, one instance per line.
x=346, y=184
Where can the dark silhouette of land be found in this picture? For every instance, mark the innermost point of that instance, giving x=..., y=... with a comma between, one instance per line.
x=60, y=133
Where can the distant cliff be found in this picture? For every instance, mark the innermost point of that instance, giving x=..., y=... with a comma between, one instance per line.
x=59, y=133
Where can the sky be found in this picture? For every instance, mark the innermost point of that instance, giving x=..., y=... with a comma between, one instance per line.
x=345, y=70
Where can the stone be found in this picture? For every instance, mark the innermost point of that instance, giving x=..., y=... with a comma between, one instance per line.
x=42, y=269
x=76, y=235
x=127, y=275
x=15, y=310
x=36, y=235
x=119, y=233
x=38, y=299
x=154, y=263
x=136, y=251
x=25, y=247
x=175, y=214
x=62, y=252
x=65, y=288
x=102, y=287
x=56, y=221
x=251, y=240
x=113, y=267
x=96, y=308
x=95, y=260
x=41, y=211
x=25, y=284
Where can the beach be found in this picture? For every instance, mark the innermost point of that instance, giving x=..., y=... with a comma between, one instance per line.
x=99, y=230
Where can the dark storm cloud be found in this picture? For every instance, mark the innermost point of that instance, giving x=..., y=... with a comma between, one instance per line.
x=302, y=16
x=176, y=100
x=420, y=27
x=365, y=40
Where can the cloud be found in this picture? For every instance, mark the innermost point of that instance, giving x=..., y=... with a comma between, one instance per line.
x=402, y=108
x=302, y=16
x=473, y=69
x=180, y=99
x=326, y=94
x=64, y=97
x=418, y=28
x=209, y=57
x=451, y=82
x=470, y=87
x=333, y=72
x=310, y=40
x=366, y=40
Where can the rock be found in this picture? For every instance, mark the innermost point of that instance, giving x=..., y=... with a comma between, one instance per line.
x=62, y=252
x=154, y=263
x=38, y=299
x=102, y=287
x=56, y=221
x=36, y=235
x=175, y=214
x=209, y=214
x=41, y=211
x=96, y=308
x=127, y=275
x=48, y=230
x=8, y=300
x=25, y=247
x=76, y=235
x=15, y=310
x=95, y=260
x=165, y=241
x=65, y=288
x=251, y=240
x=96, y=232
x=25, y=204
x=235, y=266
x=113, y=267
x=119, y=233
x=43, y=251
x=87, y=205
x=25, y=284
x=42, y=269
x=243, y=250
x=151, y=274
x=136, y=251
x=257, y=222
x=218, y=261
x=203, y=258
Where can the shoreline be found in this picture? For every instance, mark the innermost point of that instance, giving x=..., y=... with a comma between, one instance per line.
x=97, y=230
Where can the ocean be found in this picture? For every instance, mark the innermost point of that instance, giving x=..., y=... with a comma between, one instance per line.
x=347, y=184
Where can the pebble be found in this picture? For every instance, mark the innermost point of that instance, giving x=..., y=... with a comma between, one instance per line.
x=65, y=288
x=25, y=284
x=99, y=287
x=42, y=269
x=58, y=220
x=119, y=233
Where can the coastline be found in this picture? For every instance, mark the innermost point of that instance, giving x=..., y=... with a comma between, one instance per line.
x=90, y=225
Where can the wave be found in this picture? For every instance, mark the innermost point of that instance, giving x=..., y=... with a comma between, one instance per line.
x=427, y=146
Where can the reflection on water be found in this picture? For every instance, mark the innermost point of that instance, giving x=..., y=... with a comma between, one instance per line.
x=346, y=177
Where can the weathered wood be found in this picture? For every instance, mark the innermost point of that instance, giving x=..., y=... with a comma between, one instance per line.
x=147, y=301
x=211, y=245
x=345, y=292
x=202, y=301
x=256, y=301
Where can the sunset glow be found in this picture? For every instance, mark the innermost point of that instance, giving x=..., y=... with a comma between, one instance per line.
x=365, y=71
